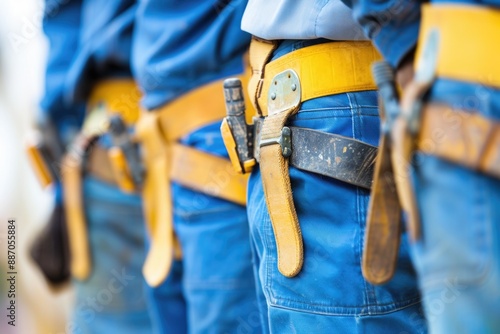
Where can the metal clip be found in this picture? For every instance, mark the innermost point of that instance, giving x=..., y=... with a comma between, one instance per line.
x=284, y=140
x=284, y=92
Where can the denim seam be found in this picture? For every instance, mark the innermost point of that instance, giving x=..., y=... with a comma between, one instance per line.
x=354, y=310
x=368, y=291
x=268, y=260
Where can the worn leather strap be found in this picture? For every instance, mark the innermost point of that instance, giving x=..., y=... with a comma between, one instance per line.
x=279, y=200
x=392, y=191
x=71, y=176
x=383, y=227
x=465, y=138
x=339, y=157
x=207, y=174
x=475, y=60
x=156, y=199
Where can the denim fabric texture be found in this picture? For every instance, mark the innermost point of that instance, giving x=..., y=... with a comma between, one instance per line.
x=215, y=277
x=457, y=258
x=330, y=293
x=112, y=299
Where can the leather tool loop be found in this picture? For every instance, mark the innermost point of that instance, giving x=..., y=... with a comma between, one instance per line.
x=71, y=176
x=383, y=227
x=284, y=102
x=156, y=199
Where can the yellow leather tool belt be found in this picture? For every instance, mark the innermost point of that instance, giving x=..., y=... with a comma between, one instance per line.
x=467, y=49
x=166, y=160
x=109, y=98
x=277, y=89
x=200, y=171
x=323, y=69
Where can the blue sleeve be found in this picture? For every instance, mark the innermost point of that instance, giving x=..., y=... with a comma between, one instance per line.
x=61, y=25
x=392, y=25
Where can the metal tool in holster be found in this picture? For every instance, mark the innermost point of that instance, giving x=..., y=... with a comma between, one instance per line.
x=344, y=158
x=242, y=139
x=238, y=136
x=124, y=156
x=45, y=151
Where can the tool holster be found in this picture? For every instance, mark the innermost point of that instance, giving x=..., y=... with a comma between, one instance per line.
x=277, y=89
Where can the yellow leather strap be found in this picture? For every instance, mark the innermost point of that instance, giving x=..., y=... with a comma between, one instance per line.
x=156, y=199
x=323, y=69
x=193, y=110
x=208, y=174
x=39, y=166
x=279, y=200
x=467, y=50
x=71, y=175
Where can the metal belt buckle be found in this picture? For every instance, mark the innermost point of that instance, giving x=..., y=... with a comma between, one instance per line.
x=284, y=94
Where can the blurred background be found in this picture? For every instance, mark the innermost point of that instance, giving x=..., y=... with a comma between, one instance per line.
x=23, y=50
